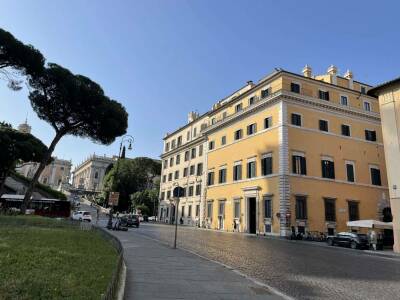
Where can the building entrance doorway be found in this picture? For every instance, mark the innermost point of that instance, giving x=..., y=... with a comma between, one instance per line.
x=252, y=215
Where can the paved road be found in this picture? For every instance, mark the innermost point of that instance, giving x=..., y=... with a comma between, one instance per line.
x=299, y=270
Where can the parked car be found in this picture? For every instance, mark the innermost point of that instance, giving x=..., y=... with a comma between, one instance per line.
x=349, y=239
x=133, y=220
x=82, y=215
x=152, y=219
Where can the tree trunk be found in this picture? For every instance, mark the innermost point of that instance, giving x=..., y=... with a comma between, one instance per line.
x=3, y=182
x=42, y=165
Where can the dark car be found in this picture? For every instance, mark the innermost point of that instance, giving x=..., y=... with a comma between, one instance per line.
x=349, y=239
x=133, y=220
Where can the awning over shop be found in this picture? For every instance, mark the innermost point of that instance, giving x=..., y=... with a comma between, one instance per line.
x=370, y=224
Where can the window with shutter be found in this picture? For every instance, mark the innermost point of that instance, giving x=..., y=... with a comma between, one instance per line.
x=330, y=210
x=299, y=165
x=323, y=125
x=328, y=169
x=301, y=207
x=295, y=88
x=296, y=119
x=375, y=176
x=266, y=165
x=345, y=130
x=350, y=172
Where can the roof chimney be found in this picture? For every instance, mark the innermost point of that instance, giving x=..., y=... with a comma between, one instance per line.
x=250, y=82
x=307, y=71
x=332, y=70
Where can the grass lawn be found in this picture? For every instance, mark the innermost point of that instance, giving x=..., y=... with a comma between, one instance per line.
x=43, y=259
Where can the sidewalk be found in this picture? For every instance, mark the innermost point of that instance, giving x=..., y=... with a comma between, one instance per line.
x=156, y=271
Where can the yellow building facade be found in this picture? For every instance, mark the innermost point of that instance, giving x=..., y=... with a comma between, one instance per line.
x=294, y=153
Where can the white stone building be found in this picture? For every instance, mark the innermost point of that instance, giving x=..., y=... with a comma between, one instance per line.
x=89, y=174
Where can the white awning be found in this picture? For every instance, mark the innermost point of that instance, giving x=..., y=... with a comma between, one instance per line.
x=370, y=224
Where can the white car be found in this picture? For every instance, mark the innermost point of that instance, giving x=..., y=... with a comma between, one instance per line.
x=82, y=215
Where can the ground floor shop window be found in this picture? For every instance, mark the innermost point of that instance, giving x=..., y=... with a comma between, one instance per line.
x=331, y=231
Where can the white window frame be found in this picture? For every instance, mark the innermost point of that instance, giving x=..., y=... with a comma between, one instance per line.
x=267, y=87
x=347, y=99
x=350, y=162
x=222, y=137
x=235, y=201
x=296, y=82
x=327, y=157
x=369, y=105
x=238, y=162
x=327, y=121
x=265, y=155
x=349, y=129
x=298, y=153
x=252, y=96
x=270, y=122
x=373, y=166
x=241, y=107
x=301, y=119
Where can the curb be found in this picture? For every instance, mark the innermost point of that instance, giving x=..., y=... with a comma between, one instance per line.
x=122, y=281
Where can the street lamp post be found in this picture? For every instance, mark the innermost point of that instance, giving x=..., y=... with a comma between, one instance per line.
x=177, y=193
x=125, y=139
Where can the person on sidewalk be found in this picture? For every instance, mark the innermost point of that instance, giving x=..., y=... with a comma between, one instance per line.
x=373, y=239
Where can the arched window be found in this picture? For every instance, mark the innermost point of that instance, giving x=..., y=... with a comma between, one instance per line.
x=96, y=175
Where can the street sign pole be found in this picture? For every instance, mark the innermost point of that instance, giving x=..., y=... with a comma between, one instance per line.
x=176, y=194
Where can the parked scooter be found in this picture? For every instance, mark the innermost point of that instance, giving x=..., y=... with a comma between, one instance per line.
x=121, y=224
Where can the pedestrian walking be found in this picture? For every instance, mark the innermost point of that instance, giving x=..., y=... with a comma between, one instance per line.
x=373, y=239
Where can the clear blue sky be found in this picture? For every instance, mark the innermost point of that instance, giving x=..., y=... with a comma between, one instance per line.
x=162, y=59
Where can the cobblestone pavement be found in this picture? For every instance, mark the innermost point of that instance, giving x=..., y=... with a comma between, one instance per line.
x=300, y=270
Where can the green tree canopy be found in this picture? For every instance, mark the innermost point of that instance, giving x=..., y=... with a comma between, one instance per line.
x=74, y=105
x=17, y=59
x=147, y=198
x=17, y=147
x=132, y=175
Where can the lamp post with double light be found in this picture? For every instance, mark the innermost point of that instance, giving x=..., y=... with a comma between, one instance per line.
x=126, y=139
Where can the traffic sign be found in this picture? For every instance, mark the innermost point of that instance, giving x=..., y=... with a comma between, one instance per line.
x=178, y=192
x=113, y=198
